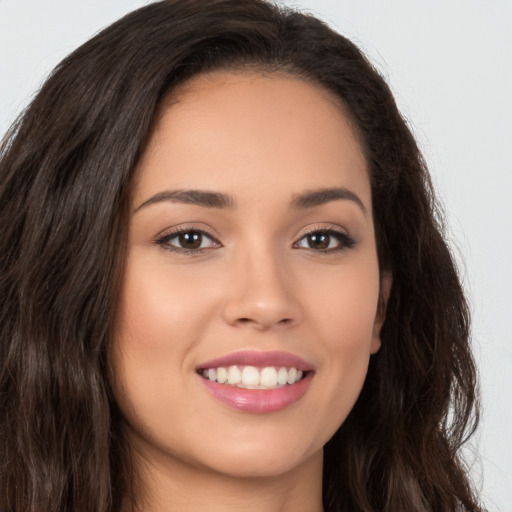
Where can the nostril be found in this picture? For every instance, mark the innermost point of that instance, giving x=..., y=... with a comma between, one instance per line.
x=247, y=321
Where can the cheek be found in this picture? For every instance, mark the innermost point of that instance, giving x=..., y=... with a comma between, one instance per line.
x=345, y=305
x=149, y=341
x=161, y=317
x=345, y=316
x=159, y=311
x=154, y=332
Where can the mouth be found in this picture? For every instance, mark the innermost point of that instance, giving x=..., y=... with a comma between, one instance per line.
x=253, y=377
x=257, y=382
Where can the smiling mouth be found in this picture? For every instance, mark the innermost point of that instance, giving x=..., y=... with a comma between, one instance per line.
x=252, y=377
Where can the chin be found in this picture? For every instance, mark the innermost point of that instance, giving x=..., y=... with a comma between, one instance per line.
x=263, y=451
x=242, y=463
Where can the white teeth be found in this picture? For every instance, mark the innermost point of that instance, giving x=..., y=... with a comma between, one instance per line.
x=282, y=376
x=251, y=377
x=292, y=375
x=269, y=377
x=222, y=375
x=234, y=375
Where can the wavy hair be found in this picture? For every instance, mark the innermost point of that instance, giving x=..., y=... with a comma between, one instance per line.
x=66, y=168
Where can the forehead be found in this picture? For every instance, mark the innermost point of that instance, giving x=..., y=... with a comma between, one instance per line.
x=263, y=133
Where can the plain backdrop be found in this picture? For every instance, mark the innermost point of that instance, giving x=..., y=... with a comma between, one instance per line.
x=449, y=63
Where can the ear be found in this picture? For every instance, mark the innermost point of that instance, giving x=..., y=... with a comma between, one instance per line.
x=386, y=281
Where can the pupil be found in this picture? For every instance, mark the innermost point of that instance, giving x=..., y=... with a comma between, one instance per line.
x=191, y=240
x=319, y=240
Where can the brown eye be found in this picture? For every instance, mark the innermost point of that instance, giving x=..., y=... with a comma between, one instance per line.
x=191, y=240
x=319, y=240
x=326, y=240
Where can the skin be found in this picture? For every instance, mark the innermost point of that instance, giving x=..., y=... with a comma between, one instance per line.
x=256, y=284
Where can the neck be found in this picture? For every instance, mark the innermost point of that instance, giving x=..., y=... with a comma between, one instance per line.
x=177, y=486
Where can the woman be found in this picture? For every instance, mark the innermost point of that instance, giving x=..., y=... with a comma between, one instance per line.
x=224, y=282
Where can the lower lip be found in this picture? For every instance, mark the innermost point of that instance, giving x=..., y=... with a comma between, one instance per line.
x=258, y=400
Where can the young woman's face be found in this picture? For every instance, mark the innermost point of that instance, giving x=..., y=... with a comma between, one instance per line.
x=248, y=312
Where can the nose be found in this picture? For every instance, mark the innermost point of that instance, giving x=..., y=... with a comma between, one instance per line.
x=262, y=294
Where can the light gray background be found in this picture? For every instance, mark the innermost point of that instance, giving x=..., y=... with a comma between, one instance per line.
x=449, y=63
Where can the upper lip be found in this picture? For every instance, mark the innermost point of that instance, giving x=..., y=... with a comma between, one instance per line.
x=259, y=358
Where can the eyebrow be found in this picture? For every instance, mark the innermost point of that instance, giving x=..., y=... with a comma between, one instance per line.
x=314, y=198
x=197, y=197
x=309, y=199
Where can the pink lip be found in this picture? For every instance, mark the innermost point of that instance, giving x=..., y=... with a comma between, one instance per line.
x=259, y=400
x=259, y=359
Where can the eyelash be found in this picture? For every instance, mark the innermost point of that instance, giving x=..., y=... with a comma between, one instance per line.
x=345, y=241
x=164, y=241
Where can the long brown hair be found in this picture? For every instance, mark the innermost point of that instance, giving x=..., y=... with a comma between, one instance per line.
x=65, y=174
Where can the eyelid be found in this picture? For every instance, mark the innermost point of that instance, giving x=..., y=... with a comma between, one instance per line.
x=164, y=237
x=347, y=241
